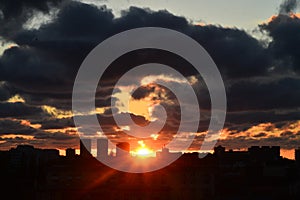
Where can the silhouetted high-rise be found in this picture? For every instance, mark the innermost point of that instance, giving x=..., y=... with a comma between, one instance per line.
x=85, y=147
x=102, y=148
x=297, y=155
x=70, y=153
x=219, y=150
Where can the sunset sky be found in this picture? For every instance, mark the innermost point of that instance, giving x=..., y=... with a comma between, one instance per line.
x=254, y=43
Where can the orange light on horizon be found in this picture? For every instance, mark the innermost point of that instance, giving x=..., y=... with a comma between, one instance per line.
x=143, y=151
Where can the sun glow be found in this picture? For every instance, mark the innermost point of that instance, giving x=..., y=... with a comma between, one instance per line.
x=143, y=151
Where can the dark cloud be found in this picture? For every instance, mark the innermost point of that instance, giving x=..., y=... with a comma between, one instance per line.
x=285, y=142
x=236, y=53
x=17, y=132
x=284, y=47
x=45, y=64
x=287, y=133
x=54, y=136
x=288, y=6
x=109, y=111
x=27, y=66
x=14, y=8
x=20, y=110
x=14, y=127
x=12, y=142
x=16, y=12
x=241, y=121
x=109, y=120
x=56, y=123
x=137, y=17
x=257, y=94
x=5, y=91
x=43, y=140
x=143, y=92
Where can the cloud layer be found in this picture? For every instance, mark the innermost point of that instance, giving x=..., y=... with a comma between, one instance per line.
x=262, y=80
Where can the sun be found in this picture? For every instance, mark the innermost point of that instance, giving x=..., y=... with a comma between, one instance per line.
x=144, y=152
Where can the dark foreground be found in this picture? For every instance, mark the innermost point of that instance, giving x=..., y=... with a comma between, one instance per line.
x=223, y=175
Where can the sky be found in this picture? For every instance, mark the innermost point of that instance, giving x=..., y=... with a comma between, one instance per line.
x=214, y=12
x=255, y=45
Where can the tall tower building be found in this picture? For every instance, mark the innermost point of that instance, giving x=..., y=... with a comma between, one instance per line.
x=297, y=155
x=85, y=147
x=102, y=148
x=70, y=153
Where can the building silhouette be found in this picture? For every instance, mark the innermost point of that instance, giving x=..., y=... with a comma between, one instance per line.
x=85, y=147
x=259, y=173
x=70, y=153
x=49, y=154
x=165, y=154
x=219, y=150
x=297, y=155
x=264, y=153
x=102, y=148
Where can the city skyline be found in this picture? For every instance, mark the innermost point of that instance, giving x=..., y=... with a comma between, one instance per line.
x=264, y=152
x=259, y=172
x=104, y=152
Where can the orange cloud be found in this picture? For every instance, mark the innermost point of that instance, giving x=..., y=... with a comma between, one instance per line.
x=28, y=123
x=291, y=15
